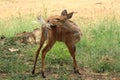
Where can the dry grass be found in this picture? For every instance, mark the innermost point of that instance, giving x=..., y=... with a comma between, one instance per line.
x=83, y=8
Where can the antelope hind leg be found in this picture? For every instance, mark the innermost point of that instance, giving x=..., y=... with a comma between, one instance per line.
x=44, y=51
x=72, y=50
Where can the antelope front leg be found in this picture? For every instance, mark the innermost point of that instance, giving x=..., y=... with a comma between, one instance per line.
x=44, y=51
x=72, y=50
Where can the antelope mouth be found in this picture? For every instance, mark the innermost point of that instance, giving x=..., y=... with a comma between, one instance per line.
x=53, y=25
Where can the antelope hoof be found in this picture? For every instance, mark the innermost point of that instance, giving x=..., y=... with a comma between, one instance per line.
x=43, y=75
x=77, y=71
x=33, y=71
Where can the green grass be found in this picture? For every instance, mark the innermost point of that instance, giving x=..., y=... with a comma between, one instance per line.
x=98, y=50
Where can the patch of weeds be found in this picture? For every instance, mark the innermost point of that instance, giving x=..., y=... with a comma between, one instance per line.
x=105, y=64
x=13, y=64
x=14, y=76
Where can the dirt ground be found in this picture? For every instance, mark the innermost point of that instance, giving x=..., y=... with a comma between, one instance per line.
x=83, y=8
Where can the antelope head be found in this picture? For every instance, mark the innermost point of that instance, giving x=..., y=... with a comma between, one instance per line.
x=56, y=21
x=61, y=21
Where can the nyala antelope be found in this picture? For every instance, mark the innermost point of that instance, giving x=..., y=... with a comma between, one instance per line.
x=58, y=28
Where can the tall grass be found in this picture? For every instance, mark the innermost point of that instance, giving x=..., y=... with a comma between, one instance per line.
x=9, y=27
x=100, y=45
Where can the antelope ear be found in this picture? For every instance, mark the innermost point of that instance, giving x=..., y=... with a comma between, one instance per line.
x=64, y=12
x=70, y=15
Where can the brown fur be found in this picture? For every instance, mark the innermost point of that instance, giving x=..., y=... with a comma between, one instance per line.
x=62, y=29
